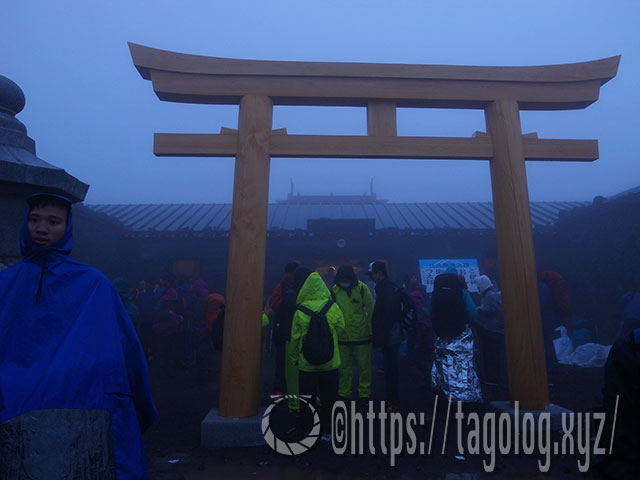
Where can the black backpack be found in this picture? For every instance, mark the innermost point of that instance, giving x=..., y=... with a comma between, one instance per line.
x=407, y=309
x=317, y=344
x=448, y=312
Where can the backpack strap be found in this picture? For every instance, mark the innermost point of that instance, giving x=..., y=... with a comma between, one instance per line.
x=326, y=307
x=310, y=312
x=304, y=309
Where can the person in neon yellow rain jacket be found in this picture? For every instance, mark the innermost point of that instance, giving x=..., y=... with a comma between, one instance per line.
x=316, y=380
x=356, y=302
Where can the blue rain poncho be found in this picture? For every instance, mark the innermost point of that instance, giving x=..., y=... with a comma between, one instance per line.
x=67, y=345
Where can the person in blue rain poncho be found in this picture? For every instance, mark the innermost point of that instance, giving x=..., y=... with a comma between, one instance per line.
x=74, y=386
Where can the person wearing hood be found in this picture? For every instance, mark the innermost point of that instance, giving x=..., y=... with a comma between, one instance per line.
x=356, y=302
x=74, y=386
x=452, y=310
x=489, y=327
x=287, y=311
x=489, y=312
x=316, y=380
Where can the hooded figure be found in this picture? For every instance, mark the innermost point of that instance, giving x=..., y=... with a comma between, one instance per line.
x=316, y=380
x=356, y=302
x=74, y=386
x=489, y=331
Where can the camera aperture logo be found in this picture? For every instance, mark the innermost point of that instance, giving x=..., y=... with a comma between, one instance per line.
x=286, y=445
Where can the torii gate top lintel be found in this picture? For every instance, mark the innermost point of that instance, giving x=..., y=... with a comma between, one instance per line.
x=186, y=78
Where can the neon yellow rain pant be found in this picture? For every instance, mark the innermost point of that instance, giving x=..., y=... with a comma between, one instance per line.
x=362, y=356
x=291, y=377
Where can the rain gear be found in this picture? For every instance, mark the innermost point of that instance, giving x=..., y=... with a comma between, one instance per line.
x=356, y=303
x=313, y=295
x=387, y=314
x=67, y=347
x=357, y=308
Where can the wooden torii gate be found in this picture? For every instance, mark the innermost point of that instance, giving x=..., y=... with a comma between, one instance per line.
x=258, y=85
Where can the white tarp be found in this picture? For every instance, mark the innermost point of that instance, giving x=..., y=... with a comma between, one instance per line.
x=588, y=355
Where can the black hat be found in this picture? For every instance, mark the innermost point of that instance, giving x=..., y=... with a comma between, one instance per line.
x=375, y=267
x=40, y=196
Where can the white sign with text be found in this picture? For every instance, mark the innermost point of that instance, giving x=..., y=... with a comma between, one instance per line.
x=464, y=266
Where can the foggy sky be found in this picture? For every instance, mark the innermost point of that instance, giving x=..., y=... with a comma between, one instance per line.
x=91, y=113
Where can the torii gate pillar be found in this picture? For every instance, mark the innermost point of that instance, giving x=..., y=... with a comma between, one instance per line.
x=523, y=335
x=247, y=247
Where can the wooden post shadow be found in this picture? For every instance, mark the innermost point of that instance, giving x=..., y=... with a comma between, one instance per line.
x=502, y=92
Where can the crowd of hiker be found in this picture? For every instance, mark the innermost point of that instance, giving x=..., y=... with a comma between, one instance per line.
x=328, y=332
x=61, y=319
x=452, y=336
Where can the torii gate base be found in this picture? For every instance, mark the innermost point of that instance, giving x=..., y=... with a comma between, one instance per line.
x=552, y=416
x=225, y=432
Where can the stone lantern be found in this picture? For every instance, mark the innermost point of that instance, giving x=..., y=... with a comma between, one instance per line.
x=22, y=173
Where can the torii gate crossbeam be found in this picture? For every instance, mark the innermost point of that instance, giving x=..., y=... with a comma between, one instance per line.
x=256, y=86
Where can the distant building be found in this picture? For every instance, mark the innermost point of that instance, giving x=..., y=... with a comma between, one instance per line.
x=318, y=231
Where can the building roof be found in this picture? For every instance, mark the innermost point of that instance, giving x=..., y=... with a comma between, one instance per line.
x=285, y=216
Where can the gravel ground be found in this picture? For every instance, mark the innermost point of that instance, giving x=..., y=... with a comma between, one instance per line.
x=174, y=453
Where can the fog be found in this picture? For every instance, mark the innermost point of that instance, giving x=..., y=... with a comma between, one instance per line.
x=91, y=113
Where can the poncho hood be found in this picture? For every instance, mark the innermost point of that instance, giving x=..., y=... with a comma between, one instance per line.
x=314, y=290
x=29, y=248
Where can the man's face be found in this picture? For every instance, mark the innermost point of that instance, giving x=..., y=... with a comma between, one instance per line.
x=47, y=224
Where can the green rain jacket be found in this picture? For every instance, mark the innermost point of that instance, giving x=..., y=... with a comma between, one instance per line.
x=313, y=295
x=357, y=310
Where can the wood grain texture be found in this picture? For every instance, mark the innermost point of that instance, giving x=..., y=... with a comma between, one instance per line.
x=336, y=91
x=146, y=59
x=258, y=85
x=381, y=119
x=522, y=323
x=241, y=354
x=359, y=146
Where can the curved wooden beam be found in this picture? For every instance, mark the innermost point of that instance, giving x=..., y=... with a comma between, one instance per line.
x=147, y=59
x=178, y=77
